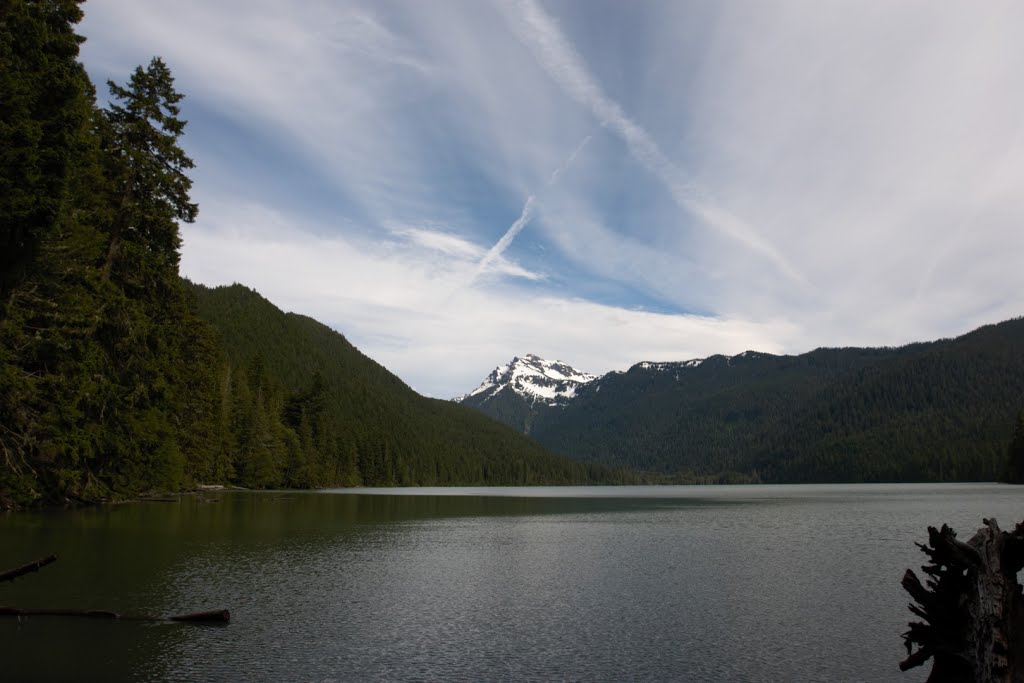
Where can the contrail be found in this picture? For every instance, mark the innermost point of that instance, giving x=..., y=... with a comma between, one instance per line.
x=568, y=162
x=524, y=217
x=556, y=55
x=494, y=252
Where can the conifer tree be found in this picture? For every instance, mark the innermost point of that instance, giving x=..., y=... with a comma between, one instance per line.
x=45, y=100
x=147, y=167
x=160, y=391
x=47, y=155
x=1014, y=472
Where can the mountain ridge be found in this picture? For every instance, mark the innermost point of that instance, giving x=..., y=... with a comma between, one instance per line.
x=538, y=380
x=940, y=410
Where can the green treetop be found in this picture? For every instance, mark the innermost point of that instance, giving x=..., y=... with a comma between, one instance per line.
x=147, y=167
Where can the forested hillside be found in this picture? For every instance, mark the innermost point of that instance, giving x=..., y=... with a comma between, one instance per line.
x=318, y=411
x=110, y=383
x=940, y=411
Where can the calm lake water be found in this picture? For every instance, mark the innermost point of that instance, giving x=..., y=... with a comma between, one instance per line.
x=745, y=583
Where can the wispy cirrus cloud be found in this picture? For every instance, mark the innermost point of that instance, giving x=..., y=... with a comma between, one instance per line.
x=775, y=176
x=864, y=138
x=464, y=252
x=560, y=60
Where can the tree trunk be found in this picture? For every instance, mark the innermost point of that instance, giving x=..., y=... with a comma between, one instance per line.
x=118, y=227
x=972, y=607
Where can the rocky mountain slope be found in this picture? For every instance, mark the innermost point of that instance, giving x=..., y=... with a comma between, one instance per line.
x=515, y=392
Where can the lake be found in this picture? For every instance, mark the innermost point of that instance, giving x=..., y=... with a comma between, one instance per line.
x=738, y=583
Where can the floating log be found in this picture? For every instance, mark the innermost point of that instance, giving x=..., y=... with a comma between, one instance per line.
x=971, y=606
x=48, y=612
x=214, y=615
x=219, y=616
x=28, y=568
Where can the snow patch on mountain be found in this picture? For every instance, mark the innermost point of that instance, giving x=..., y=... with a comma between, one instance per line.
x=535, y=379
x=556, y=383
x=695, y=362
x=667, y=367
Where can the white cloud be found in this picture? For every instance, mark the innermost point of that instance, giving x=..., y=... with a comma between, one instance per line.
x=809, y=173
x=393, y=304
x=469, y=255
x=869, y=140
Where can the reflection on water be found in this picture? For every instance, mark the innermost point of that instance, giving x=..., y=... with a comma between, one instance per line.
x=658, y=583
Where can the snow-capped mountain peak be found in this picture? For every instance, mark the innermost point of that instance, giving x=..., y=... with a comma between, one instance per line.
x=533, y=378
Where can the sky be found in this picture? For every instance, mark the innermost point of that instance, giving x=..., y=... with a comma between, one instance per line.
x=453, y=183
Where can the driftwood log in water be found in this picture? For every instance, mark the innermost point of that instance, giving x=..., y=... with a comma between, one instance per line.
x=221, y=616
x=27, y=568
x=216, y=616
x=971, y=606
x=49, y=612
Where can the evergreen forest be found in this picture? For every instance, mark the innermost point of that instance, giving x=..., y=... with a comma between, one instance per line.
x=935, y=411
x=113, y=381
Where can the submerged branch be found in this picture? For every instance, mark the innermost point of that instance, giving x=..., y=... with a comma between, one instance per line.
x=33, y=566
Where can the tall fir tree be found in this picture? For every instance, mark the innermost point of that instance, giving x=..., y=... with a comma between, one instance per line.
x=1014, y=472
x=45, y=100
x=49, y=186
x=147, y=325
x=147, y=168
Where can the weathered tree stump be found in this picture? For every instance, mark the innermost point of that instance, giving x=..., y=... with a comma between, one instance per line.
x=972, y=607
